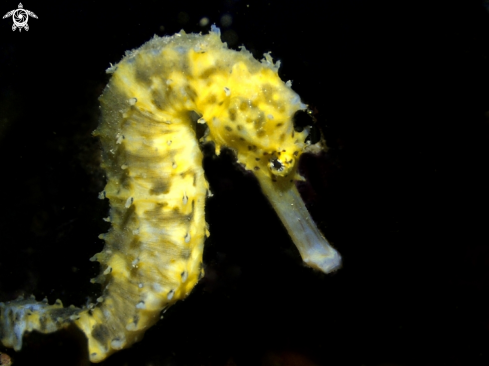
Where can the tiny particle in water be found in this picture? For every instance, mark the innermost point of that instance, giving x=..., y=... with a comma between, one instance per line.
x=204, y=21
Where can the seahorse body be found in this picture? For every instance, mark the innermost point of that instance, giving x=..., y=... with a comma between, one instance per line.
x=156, y=184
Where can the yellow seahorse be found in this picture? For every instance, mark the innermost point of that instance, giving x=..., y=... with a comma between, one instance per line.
x=156, y=184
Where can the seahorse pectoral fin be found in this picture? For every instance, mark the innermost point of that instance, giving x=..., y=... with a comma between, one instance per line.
x=315, y=250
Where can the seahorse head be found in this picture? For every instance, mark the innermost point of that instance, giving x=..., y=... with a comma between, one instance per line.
x=249, y=109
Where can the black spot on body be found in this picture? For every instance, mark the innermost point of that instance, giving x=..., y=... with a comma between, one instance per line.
x=101, y=333
x=159, y=98
x=135, y=243
x=191, y=93
x=232, y=114
x=128, y=216
x=143, y=75
x=185, y=254
x=208, y=72
x=228, y=128
x=42, y=323
x=157, y=216
x=160, y=186
x=212, y=99
x=259, y=121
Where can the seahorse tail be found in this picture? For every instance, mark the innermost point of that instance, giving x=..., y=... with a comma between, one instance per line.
x=26, y=315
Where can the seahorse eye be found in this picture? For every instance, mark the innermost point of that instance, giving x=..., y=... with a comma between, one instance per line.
x=276, y=164
x=280, y=167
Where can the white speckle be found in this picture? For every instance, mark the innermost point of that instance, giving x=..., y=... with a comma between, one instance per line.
x=124, y=166
x=140, y=305
x=74, y=317
x=135, y=263
x=200, y=48
x=227, y=91
x=289, y=83
x=170, y=294
x=204, y=21
x=226, y=20
x=101, y=195
x=106, y=219
x=117, y=343
x=201, y=120
x=108, y=270
x=167, y=122
x=100, y=299
x=157, y=287
x=135, y=232
x=187, y=238
x=129, y=202
x=174, y=165
x=169, y=142
x=140, y=285
x=119, y=139
x=270, y=116
x=185, y=199
x=131, y=327
x=169, y=81
x=132, y=101
x=184, y=276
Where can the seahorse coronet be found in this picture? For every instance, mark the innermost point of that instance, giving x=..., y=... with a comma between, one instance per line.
x=156, y=183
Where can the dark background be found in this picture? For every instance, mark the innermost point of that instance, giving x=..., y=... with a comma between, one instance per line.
x=401, y=91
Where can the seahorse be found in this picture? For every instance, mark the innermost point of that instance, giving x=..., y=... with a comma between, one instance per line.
x=156, y=185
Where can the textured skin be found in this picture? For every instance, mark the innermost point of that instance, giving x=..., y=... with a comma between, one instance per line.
x=156, y=184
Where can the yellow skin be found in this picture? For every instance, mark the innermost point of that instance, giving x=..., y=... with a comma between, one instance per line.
x=156, y=184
